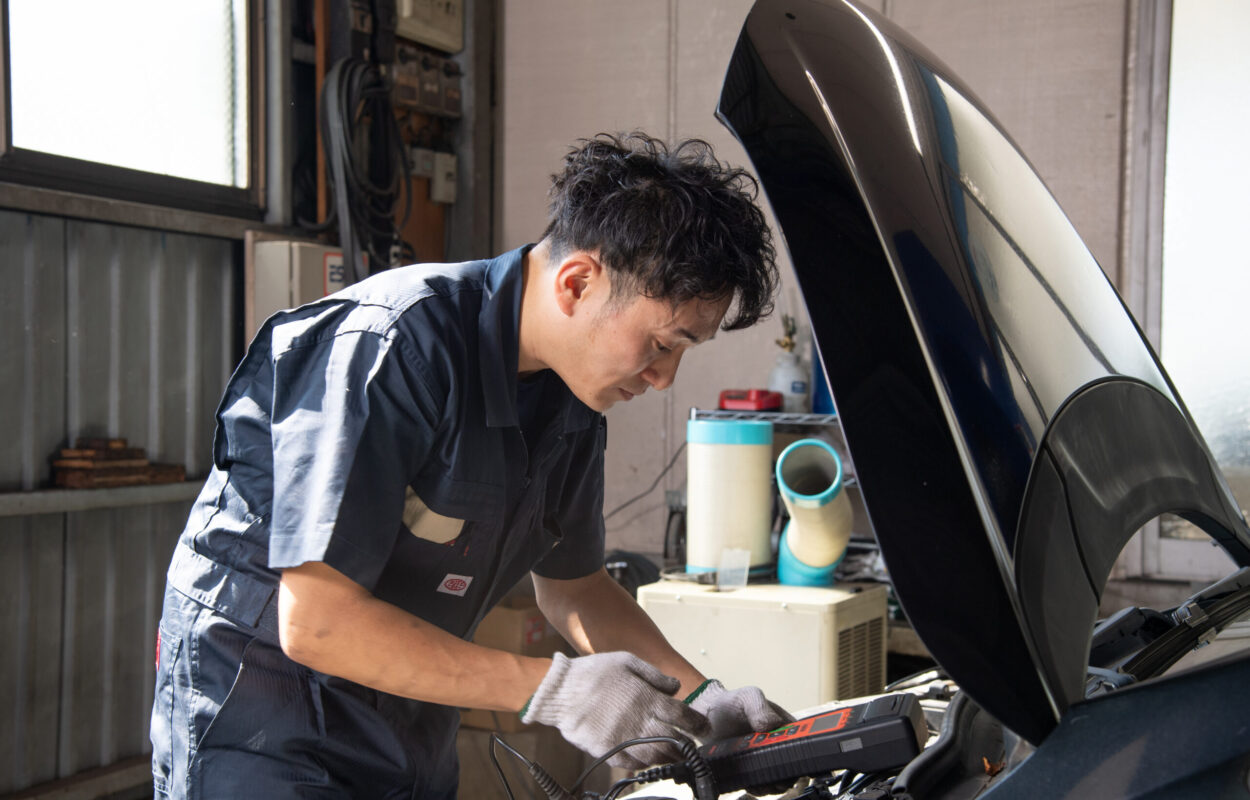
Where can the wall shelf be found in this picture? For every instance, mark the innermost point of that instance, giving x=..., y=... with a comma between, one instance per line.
x=775, y=417
x=62, y=501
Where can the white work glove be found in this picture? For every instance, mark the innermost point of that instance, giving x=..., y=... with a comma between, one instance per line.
x=601, y=700
x=737, y=712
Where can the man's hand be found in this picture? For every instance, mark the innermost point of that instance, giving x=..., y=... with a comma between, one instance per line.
x=599, y=701
x=595, y=615
x=736, y=712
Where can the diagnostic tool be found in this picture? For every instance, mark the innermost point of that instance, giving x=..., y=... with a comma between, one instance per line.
x=881, y=734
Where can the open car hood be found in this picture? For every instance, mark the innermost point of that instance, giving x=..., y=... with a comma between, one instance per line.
x=1010, y=426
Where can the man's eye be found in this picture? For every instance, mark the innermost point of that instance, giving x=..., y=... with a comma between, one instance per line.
x=659, y=346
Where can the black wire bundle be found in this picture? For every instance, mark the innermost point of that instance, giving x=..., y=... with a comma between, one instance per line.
x=368, y=167
x=692, y=769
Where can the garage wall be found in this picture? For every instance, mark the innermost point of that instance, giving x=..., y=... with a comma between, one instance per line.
x=113, y=331
x=1052, y=71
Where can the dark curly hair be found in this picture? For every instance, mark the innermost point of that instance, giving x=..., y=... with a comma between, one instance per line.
x=674, y=224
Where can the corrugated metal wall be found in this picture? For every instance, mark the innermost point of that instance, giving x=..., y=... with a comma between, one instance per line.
x=112, y=331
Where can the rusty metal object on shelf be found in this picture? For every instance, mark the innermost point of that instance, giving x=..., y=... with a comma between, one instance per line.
x=99, y=463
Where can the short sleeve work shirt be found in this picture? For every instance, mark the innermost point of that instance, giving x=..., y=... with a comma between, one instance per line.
x=378, y=431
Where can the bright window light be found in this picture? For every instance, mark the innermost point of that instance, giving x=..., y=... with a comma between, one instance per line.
x=1206, y=265
x=152, y=85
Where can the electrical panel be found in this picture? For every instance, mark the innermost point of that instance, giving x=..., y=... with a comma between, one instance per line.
x=357, y=47
x=437, y=23
x=285, y=274
x=426, y=82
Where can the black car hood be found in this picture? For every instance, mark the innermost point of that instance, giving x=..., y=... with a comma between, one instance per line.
x=1010, y=426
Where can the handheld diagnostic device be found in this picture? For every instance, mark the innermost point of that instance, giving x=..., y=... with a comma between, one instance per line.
x=880, y=734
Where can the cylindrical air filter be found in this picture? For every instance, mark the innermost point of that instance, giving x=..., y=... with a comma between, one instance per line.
x=728, y=491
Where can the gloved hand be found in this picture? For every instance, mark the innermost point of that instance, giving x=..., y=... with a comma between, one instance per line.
x=601, y=700
x=736, y=712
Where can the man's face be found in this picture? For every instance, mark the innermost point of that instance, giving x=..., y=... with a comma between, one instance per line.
x=630, y=346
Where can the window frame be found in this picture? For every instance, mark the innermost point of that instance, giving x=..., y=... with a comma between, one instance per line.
x=62, y=173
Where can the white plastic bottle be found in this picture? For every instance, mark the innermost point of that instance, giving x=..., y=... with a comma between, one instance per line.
x=790, y=377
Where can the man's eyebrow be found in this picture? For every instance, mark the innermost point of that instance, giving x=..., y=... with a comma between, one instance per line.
x=685, y=334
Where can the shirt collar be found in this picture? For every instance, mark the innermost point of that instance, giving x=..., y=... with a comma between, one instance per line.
x=499, y=326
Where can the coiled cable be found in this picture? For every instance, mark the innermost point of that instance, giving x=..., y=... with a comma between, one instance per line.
x=362, y=141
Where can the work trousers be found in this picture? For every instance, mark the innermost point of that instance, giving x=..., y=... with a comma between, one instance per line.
x=233, y=717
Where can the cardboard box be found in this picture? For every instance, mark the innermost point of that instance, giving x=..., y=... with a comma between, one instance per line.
x=515, y=626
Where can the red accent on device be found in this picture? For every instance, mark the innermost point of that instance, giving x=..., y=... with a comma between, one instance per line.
x=880, y=734
x=750, y=400
x=833, y=721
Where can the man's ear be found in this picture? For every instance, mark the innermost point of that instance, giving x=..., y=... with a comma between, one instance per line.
x=579, y=277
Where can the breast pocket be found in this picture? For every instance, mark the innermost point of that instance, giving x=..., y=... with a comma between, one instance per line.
x=426, y=524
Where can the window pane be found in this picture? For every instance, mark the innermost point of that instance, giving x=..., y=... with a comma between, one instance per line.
x=1206, y=266
x=152, y=85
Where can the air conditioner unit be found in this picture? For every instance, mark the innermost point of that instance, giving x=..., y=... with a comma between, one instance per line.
x=804, y=646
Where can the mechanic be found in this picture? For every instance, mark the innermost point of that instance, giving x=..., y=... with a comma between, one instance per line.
x=389, y=461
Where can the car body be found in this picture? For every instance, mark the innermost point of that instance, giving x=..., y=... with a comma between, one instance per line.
x=1010, y=425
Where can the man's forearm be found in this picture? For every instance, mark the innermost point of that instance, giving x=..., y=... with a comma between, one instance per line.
x=596, y=615
x=333, y=625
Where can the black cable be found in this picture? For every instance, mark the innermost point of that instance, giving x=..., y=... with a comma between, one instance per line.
x=494, y=738
x=649, y=489
x=357, y=121
x=701, y=772
x=847, y=777
x=545, y=780
x=864, y=780
x=692, y=769
x=619, y=786
x=577, y=785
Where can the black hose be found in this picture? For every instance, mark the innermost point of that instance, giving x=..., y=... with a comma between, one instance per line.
x=355, y=103
x=704, y=788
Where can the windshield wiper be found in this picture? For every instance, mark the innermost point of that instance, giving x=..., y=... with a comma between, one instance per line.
x=1139, y=643
x=1197, y=623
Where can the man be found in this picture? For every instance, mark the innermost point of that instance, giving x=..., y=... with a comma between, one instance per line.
x=389, y=461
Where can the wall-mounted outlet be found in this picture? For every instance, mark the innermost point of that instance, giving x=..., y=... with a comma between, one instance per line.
x=443, y=184
x=421, y=162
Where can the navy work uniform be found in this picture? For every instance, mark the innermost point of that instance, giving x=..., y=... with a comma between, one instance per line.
x=383, y=431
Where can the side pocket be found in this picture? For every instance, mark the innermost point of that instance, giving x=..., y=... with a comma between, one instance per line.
x=168, y=649
x=224, y=726
x=268, y=707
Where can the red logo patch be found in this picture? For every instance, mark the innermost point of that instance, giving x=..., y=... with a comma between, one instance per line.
x=455, y=584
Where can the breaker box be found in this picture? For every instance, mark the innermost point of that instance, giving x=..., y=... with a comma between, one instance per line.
x=285, y=274
x=804, y=646
x=437, y=23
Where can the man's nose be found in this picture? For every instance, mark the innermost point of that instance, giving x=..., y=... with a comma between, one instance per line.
x=662, y=371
